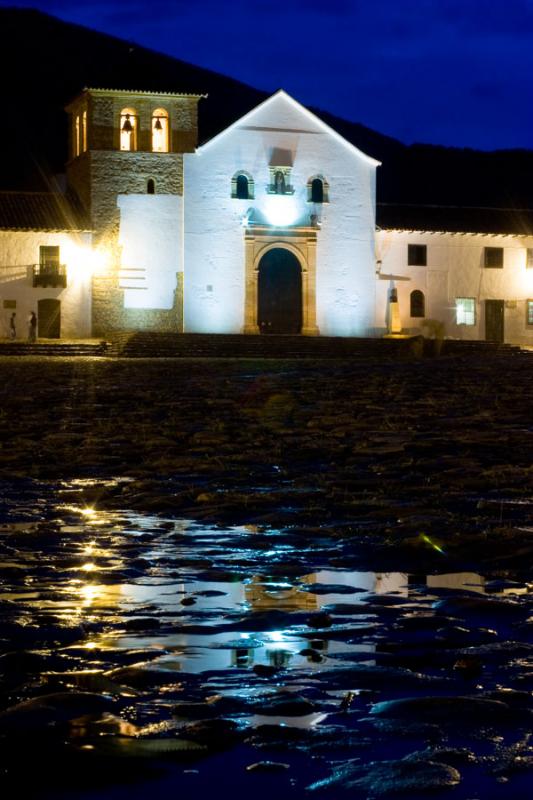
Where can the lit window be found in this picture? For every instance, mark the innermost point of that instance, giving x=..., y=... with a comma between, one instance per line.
x=160, y=131
x=242, y=186
x=77, y=135
x=84, y=132
x=465, y=311
x=529, y=312
x=128, y=129
x=417, y=255
x=529, y=258
x=418, y=304
x=493, y=257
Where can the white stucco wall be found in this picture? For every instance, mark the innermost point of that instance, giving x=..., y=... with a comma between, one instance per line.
x=19, y=251
x=455, y=268
x=151, y=237
x=214, y=234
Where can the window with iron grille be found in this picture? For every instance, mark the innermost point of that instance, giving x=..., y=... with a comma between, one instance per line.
x=529, y=258
x=493, y=257
x=417, y=255
x=529, y=312
x=465, y=311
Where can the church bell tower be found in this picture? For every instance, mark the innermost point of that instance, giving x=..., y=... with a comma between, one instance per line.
x=125, y=164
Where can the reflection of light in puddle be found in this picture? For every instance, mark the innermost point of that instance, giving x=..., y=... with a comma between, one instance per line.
x=276, y=636
x=88, y=511
x=308, y=721
x=89, y=514
x=90, y=593
x=163, y=587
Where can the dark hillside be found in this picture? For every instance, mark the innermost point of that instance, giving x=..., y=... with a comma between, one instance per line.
x=44, y=62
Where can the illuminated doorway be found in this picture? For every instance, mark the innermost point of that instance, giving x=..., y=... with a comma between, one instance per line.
x=279, y=308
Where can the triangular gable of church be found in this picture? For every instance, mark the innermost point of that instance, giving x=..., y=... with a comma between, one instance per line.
x=282, y=113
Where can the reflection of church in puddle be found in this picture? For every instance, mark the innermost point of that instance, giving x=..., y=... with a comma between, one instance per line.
x=305, y=643
x=262, y=593
x=272, y=227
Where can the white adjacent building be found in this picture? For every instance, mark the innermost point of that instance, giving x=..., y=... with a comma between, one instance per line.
x=273, y=226
x=45, y=266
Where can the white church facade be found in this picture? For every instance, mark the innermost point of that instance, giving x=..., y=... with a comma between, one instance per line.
x=272, y=226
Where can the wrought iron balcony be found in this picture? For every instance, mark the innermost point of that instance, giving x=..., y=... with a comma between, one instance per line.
x=53, y=275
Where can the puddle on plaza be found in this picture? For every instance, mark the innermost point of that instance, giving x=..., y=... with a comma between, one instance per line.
x=92, y=590
x=109, y=600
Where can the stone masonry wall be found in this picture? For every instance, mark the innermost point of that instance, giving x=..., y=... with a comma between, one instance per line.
x=113, y=173
x=105, y=172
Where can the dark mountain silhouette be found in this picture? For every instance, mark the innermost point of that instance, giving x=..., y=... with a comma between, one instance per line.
x=45, y=62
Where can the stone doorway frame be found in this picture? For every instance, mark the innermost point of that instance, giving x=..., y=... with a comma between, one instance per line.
x=301, y=242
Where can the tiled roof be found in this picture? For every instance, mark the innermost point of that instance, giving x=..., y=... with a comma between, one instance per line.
x=40, y=211
x=455, y=219
x=142, y=92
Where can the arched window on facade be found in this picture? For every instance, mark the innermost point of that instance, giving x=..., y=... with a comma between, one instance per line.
x=160, y=131
x=128, y=129
x=317, y=189
x=242, y=186
x=418, y=304
x=150, y=186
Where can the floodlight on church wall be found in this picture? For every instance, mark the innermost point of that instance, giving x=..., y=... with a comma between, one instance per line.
x=281, y=210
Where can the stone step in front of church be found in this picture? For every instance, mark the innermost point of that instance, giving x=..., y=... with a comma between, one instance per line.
x=54, y=347
x=146, y=344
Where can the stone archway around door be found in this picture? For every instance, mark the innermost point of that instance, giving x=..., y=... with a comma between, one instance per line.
x=299, y=242
x=279, y=301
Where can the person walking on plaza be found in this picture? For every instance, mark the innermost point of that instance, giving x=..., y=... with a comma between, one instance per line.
x=12, y=326
x=32, y=327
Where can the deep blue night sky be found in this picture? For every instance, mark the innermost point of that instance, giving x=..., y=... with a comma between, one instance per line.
x=453, y=72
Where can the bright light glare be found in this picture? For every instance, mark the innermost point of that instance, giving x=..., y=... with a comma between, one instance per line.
x=281, y=210
x=528, y=282
x=89, y=594
x=432, y=544
x=88, y=511
x=89, y=567
x=83, y=260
